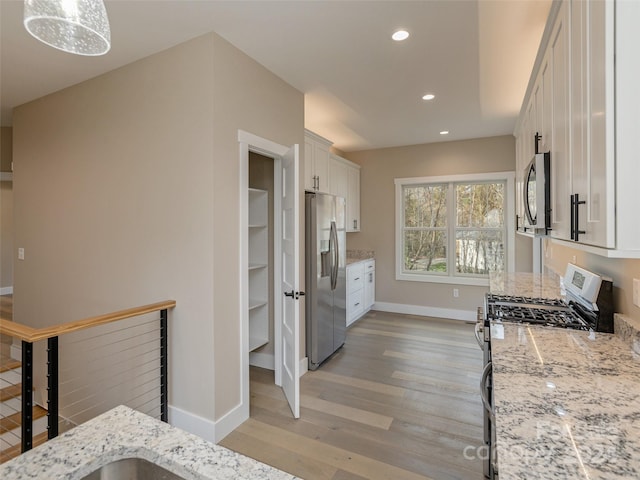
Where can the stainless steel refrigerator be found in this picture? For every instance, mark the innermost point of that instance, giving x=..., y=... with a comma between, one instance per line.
x=326, y=290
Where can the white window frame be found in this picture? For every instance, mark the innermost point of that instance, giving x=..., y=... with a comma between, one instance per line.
x=509, y=216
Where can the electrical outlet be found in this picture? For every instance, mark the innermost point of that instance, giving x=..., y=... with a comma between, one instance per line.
x=636, y=292
x=456, y=293
x=20, y=253
x=573, y=259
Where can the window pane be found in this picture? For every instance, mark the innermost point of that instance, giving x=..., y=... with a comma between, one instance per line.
x=479, y=252
x=425, y=206
x=425, y=251
x=480, y=205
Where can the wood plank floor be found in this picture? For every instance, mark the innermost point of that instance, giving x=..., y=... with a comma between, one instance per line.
x=399, y=401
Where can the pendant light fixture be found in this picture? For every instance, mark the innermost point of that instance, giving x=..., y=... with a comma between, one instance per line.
x=75, y=26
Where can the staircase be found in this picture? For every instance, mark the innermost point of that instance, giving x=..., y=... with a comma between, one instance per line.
x=10, y=411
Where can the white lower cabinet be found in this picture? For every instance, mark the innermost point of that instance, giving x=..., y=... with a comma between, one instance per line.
x=360, y=289
x=369, y=284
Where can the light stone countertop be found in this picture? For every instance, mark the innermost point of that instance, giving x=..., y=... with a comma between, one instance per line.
x=355, y=256
x=525, y=285
x=566, y=402
x=124, y=433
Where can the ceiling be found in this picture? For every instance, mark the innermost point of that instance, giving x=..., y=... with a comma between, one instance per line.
x=362, y=90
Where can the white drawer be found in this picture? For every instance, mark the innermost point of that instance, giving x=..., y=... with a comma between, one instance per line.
x=355, y=306
x=355, y=277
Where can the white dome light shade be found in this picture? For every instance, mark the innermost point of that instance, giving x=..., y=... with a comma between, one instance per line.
x=74, y=26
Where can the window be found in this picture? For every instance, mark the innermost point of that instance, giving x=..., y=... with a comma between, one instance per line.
x=454, y=229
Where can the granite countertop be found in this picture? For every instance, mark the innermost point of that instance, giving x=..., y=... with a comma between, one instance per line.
x=566, y=402
x=525, y=284
x=124, y=433
x=355, y=256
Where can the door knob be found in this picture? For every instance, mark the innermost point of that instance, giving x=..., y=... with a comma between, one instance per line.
x=293, y=294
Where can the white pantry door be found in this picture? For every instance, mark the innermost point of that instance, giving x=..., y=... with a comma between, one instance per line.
x=290, y=273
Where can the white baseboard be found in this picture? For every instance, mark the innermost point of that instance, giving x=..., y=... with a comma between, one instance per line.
x=262, y=360
x=192, y=423
x=465, y=315
x=230, y=421
x=215, y=431
x=6, y=290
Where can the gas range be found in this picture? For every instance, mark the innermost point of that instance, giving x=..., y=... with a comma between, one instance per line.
x=588, y=305
x=536, y=311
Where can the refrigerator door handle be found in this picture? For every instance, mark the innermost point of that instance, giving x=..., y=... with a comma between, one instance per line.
x=333, y=247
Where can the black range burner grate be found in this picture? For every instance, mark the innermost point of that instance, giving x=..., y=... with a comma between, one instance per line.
x=537, y=311
x=509, y=299
x=540, y=316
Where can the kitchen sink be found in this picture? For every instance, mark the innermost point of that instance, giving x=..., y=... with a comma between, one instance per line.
x=132, y=469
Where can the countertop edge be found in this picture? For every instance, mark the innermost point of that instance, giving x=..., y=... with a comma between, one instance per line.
x=125, y=433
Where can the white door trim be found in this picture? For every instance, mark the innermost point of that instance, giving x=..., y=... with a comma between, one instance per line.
x=250, y=142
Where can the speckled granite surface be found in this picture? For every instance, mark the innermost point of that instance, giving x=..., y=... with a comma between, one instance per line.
x=567, y=403
x=125, y=433
x=354, y=256
x=525, y=284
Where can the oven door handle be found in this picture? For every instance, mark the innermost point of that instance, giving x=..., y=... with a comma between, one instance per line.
x=477, y=331
x=484, y=394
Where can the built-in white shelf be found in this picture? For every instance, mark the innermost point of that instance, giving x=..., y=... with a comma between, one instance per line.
x=258, y=268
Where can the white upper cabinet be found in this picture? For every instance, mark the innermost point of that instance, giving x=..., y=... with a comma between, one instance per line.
x=585, y=106
x=328, y=173
x=344, y=181
x=560, y=118
x=316, y=162
x=338, y=176
x=592, y=199
x=353, y=198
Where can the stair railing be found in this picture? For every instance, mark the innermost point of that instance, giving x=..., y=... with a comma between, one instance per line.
x=29, y=336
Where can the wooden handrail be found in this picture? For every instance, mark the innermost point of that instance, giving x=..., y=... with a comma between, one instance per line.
x=29, y=334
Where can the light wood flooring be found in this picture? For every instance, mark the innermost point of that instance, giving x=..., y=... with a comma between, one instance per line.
x=399, y=401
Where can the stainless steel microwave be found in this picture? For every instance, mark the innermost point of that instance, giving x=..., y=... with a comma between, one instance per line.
x=537, y=192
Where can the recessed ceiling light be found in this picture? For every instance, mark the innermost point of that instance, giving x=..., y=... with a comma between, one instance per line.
x=400, y=35
x=444, y=132
x=428, y=96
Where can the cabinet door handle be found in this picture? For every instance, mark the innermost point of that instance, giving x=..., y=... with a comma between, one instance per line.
x=575, y=217
x=356, y=279
x=357, y=304
x=355, y=224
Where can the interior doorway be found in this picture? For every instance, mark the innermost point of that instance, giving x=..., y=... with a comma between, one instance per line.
x=270, y=269
x=261, y=261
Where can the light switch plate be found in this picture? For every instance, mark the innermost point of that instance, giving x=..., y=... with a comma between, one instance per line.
x=20, y=253
x=636, y=292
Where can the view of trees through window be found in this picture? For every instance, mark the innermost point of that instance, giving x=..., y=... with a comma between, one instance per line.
x=476, y=214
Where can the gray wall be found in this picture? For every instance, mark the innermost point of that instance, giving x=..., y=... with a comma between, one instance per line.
x=377, y=210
